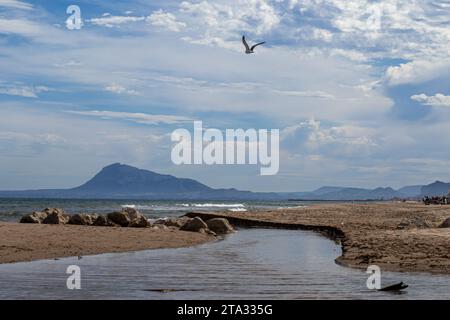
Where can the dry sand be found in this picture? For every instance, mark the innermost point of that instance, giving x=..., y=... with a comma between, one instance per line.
x=26, y=242
x=370, y=232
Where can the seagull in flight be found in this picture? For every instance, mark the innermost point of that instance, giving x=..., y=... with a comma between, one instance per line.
x=248, y=49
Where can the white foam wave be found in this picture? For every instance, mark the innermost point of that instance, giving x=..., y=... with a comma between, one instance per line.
x=214, y=205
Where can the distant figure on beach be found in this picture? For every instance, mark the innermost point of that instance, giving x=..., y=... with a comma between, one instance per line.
x=248, y=49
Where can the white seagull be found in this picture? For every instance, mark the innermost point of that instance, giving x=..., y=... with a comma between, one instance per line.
x=248, y=49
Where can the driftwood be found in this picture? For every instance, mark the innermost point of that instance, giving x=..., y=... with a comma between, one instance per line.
x=395, y=287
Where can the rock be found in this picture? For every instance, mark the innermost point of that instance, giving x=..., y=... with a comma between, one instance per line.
x=207, y=231
x=81, y=219
x=176, y=222
x=132, y=213
x=194, y=225
x=139, y=222
x=57, y=216
x=35, y=217
x=159, y=221
x=120, y=218
x=103, y=221
x=219, y=225
x=445, y=224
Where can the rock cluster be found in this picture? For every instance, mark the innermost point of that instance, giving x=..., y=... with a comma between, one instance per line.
x=47, y=216
x=131, y=218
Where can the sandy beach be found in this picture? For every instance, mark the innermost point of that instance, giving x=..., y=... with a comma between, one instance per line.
x=27, y=242
x=396, y=236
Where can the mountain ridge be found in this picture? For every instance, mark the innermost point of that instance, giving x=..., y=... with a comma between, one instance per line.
x=121, y=181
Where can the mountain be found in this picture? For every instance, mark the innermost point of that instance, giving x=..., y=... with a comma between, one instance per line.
x=120, y=181
x=411, y=191
x=437, y=188
x=343, y=193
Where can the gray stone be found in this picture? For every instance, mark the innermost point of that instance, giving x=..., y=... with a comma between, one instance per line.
x=219, y=225
x=81, y=219
x=132, y=213
x=35, y=217
x=120, y=218
x=139, y=222
x=194, y=225
x=56, y=216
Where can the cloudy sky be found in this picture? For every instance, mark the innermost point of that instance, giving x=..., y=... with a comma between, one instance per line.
x=359, y=89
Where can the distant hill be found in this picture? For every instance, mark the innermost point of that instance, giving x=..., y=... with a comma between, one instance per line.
x=411, y=191
x=437, y=188
x=121, y=181
x=343, y=193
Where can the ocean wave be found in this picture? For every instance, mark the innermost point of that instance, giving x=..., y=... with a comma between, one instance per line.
x=214, y=205
x=237, y=209
x=294, y=207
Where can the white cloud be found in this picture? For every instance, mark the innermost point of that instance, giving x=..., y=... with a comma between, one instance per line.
x=116, y=88
x=20, y=27
x=114, y=21
x=305, y=94
x=223, y=19
x=344, y=140
x=142, y=118
x=22, y=91
x=16, y=4
x=167, y=20
x=417, y=71
x=438, y=100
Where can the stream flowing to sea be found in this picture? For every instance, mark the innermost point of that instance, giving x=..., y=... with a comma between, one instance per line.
x=248, y=264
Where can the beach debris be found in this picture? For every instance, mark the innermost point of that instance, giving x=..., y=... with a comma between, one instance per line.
x=445, y=224
x=120, y=218
x=56, y=216
x=395, y=287
x=81, y=219
x=248, y=49
x=219, y=225
x=194, y=225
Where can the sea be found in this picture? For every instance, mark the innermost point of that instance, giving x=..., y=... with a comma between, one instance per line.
x=13, y=209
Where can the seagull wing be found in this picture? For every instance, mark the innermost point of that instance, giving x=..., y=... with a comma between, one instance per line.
x=245, y=43
x=257, y=45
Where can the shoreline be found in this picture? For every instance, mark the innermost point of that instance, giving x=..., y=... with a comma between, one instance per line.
x=399, y=237
x=396, y=236
x=31, y=242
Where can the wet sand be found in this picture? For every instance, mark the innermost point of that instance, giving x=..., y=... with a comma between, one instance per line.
x=370, y=233
x=27, y=242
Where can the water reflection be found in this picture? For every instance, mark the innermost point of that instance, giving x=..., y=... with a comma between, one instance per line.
x=251, y=264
